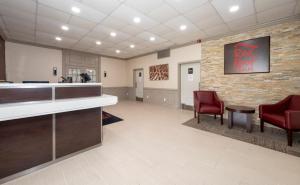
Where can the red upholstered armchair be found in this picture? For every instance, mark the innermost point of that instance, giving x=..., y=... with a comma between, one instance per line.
x=284, y=114
x=207, y=102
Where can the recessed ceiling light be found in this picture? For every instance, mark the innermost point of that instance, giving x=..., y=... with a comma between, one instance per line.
x=118, y=51
x=75, y=9
x=132, y=46
x=58, y=38
x=65, y=28
x=113, y=34
x=136, y=20
x=152, y=38
x=98, y=43
x=234, y=8
x=183, y=27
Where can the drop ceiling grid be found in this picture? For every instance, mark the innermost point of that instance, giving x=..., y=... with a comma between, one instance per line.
x=84, y=28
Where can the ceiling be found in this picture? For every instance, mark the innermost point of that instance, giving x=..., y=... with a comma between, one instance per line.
x=40, y=21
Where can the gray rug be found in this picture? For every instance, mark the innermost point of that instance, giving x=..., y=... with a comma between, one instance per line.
x=272, y=138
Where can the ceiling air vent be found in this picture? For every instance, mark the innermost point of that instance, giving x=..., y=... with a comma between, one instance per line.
x=163, y=54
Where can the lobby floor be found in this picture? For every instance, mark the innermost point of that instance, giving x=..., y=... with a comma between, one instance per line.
x=152, y=147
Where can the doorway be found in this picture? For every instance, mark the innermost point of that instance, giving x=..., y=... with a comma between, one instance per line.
x=139, y=84
x=189, y=82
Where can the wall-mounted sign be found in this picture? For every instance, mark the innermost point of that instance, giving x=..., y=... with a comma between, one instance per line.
x=159, y=72
x=190, y=74
x=250, y=56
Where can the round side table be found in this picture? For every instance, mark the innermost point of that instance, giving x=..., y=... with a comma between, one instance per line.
x=249, y=111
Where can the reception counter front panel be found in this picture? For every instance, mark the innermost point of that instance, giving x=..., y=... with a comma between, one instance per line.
x=41, y=123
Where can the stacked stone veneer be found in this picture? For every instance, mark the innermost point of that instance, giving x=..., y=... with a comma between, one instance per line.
x=258, y=88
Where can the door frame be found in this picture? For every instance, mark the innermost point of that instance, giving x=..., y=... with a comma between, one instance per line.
x=181, y=106
x=134, y=84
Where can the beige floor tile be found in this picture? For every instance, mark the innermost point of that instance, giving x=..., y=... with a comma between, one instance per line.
x=152, y=147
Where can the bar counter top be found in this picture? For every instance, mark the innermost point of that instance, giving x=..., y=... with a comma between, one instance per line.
x=11, y=111
x=44, y=85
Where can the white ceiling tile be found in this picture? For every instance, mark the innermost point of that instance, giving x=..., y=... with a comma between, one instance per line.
x=279, y=12
x=86, y=12
x=2, y=25
x=105, y=6
x=246, y=8
x=242, y=23
x=82, y=23
x=97, y=35
x=185, y=5
x=201, y=13
x=136, y=40
x=48, y=25
x=17, y=5
x=147, y=35
x=132, y=30
x=52, y=13
x=21, y=36
x=209, y=22
x=64, y=5
x=163, y=13
x=183, y=39
x=144, y=6
x=17, y=24
x=20, y=29
x=262, y=5
x=171, y=35
x=127, y=14
x=21, y=15
x=113, y=23
x=160, y=29
x=74, y=32
x=176, y=22
x=221, y=29
x=297, y=9
x=119, y=38
x=40, y=35
x=124, y=45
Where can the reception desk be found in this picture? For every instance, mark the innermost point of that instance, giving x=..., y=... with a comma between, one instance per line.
x=43, y=123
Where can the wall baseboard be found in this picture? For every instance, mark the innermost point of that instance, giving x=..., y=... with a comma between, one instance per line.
x=158, y=96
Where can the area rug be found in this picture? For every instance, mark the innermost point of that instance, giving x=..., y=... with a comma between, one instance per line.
x=109, y=118
x=272, y=138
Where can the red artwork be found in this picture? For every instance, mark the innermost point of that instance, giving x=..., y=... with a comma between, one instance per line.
x=244, y=57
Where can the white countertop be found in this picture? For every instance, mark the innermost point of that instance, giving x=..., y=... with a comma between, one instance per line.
x=38, y=108
x=43, y=85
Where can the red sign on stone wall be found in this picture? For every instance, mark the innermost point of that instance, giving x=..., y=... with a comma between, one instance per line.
x=250, y=56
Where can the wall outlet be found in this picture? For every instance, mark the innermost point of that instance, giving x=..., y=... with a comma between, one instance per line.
x=147, y=97
x=165, y=99
x=127, y=94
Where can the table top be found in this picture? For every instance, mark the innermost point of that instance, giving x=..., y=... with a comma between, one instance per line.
x=241, y=109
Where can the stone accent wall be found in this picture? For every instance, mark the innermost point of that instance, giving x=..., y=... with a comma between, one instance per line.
x=259, y=88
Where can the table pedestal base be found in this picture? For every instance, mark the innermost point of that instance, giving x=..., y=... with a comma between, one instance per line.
x=249, y=118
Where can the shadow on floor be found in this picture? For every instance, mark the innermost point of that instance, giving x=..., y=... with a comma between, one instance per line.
x=272, y=138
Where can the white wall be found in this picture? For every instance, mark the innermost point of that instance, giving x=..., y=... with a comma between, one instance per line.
x=179, y=55
x=116, y=72
x=26, y=62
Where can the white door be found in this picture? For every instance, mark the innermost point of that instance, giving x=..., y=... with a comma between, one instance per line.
x=190, y=79
x=139, y=83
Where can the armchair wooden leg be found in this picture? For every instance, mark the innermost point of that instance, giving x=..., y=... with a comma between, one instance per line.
x=198, y=118
x=195, y=116
x=221, y=119
x=290, y=137
x=215, y=116
x=261, y=125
